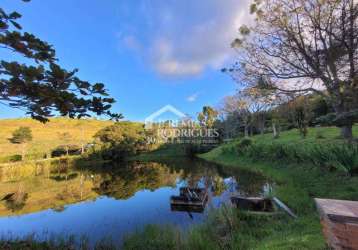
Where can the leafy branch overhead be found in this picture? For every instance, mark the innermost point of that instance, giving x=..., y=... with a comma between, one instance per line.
x=42, y=88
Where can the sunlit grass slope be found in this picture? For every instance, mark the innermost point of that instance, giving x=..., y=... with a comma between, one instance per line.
x=47, y=136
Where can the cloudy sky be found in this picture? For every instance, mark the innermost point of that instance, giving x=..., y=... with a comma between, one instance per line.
x=149, y=53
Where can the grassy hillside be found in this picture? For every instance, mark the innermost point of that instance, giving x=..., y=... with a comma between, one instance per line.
x=46, y=136
x=330, y=134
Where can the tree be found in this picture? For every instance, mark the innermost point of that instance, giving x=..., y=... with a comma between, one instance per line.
x=303, y=46
x=207, y=117
x=238, y=107
x=22, y=136
x=259, y=101
x=122, y=139
x=43, y=88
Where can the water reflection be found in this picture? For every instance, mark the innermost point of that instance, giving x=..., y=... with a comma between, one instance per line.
x=113, y=199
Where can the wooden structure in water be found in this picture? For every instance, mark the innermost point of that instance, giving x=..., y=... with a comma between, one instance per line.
x=189, y=200
x=262, y=206
x=339, y=219
x=255, y=204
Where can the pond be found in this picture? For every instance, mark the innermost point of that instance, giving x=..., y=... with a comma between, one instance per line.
x=112, y=200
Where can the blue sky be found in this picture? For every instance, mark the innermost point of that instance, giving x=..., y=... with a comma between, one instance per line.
x=149, y=53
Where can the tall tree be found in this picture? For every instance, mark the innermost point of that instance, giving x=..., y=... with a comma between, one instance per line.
x=42, y=87
x=258, y=101
x=22, y=136
x=304, y=46
x=238, y=106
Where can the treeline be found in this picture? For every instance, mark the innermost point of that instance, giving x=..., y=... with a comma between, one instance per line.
x=255, y=111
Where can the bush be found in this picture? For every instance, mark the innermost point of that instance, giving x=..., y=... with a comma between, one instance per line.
x=121, y=140
x=10, y=158
x=62, y=150
x=243, y=144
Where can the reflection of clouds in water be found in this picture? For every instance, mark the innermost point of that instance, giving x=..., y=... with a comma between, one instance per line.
x=232, y=184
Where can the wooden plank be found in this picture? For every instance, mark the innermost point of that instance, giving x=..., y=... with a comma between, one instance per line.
x=339, y=210
x=281, y=205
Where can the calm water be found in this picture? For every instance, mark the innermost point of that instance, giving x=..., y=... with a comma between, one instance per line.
x=112, y=200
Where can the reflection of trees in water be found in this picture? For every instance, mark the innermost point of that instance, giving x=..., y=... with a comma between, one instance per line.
x=42, y=186
x=248, y=183
x=62, y=184
x=219, y=178
x=124, y=182
x=59, y=209
x=64, y=177
x=218, y=185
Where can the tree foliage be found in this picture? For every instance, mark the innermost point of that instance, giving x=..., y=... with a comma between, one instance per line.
x=122, y=139
x=207, y=117
x=21, y=135
x=41, y=87
x=303, y=46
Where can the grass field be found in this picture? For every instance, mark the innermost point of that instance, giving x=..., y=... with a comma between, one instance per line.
x=47, y=136
x=292, y=136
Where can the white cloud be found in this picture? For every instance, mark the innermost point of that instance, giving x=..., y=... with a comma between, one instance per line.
x=193, y=97
x=183, y=38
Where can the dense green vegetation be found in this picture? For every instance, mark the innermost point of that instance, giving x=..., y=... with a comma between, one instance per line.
x=120, y=140
x=322, y=148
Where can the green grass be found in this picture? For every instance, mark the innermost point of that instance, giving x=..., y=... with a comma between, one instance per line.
x=330, y=134
x=55, y=243
x=46, y=136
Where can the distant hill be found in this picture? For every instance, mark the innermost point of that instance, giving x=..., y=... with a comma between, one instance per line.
x=46, y=136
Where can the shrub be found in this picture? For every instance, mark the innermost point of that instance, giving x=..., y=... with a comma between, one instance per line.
x=121, y=140
x=245, y=142
x=62, y=150
x=243, y=145
x=10, y=158
x=339, y=156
